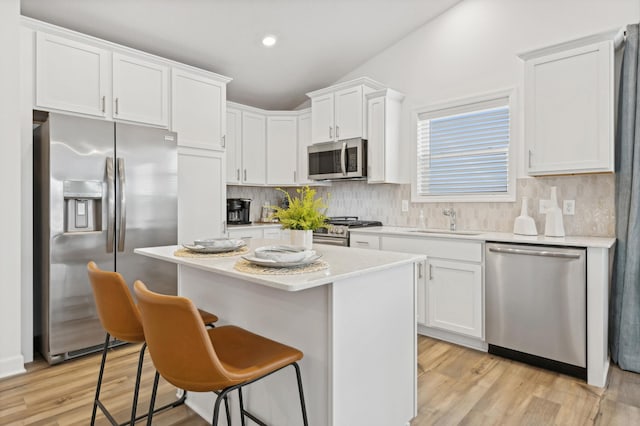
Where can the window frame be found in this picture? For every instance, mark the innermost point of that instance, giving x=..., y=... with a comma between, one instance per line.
x=457, y=106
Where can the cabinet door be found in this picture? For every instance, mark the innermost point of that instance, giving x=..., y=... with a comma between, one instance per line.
x=304, y=140
x=140, y=90
x=198, y=110
x=234, y=146
x=348, y=113
x=569, y=111
x=282, y=152
x=454, y=297
x=253, y=148
x=376, y=141
x=246, y=234
x=364, y=241
x=71, y=76
x=322, y=125
x=201, y=194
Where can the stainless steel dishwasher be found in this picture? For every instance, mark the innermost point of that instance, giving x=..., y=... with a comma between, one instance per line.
x=536, y=305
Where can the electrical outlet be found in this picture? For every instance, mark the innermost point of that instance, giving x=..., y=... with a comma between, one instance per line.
x=544, y=205
x=569, y=207
x=405, y=206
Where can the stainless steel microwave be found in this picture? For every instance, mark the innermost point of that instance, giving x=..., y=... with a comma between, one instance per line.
x=345, y=159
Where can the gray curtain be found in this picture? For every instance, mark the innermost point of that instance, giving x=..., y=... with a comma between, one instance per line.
x=624, y=333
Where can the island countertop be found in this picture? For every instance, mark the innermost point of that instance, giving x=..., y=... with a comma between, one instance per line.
x=343, y=263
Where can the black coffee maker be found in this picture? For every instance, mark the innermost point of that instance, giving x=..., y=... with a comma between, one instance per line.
x=238, y=211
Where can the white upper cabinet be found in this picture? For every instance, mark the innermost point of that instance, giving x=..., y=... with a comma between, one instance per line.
x=282, y=155
x=234, y=146
x=253, y=148
x=338, y=112
x=569, y=109
x=383, y=133
x=71, y=76
x=198, y=110
x=140, y=90
x=304, y=140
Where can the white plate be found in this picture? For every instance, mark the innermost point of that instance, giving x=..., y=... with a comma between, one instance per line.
x=283, y=253
x=202, y=249
x=217, y=242
x=274, y=264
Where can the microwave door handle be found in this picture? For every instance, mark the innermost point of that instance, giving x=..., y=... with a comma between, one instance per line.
x=343, y=158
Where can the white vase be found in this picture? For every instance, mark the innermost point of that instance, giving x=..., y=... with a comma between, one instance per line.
x=553, y=226
x=302, y=238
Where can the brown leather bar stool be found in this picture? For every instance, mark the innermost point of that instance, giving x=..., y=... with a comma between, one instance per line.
x=121, y=319
x=220, y=359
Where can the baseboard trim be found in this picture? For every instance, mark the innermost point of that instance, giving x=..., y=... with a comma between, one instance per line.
x=12, y=366
x=457, y=339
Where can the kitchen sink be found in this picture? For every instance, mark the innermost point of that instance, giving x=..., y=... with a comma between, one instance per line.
x=445, y=231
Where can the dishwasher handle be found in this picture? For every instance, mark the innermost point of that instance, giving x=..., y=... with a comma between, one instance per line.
x=544, y=253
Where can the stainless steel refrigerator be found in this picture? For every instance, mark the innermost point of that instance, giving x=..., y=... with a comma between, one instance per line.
x=101, y=189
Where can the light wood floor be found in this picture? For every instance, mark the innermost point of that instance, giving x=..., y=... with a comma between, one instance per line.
x=457, y=386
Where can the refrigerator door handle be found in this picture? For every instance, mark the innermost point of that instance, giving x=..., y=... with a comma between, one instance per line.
x=123, y=204
x=111, y=205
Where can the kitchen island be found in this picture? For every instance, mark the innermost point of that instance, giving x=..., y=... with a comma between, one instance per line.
x=355, y=322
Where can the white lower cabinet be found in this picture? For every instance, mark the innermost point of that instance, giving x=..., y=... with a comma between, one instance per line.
x=364, y=241
x=454, y=296
x=246, y=233
x=450, y=283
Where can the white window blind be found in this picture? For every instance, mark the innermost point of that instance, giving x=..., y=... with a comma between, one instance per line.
x=464, y=149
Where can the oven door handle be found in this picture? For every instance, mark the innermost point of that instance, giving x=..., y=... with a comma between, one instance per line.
x=342, y=242
x=343, y=158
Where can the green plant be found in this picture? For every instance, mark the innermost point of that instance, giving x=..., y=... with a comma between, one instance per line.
x=304, y=212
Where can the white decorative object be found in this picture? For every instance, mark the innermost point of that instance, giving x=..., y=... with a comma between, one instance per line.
x=553, y=226
x=524, y=224
x=302, y=238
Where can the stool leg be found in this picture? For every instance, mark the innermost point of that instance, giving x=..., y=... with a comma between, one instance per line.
x=99, y=385
x=226, y=409
x=153, y=398
x=300, y=391
x=242, y=420
x=216, y=407
x=136, y=390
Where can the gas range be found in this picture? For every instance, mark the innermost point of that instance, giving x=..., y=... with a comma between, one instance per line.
x=337, y=230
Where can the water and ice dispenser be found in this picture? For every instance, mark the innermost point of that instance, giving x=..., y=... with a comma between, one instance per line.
x=83, y=205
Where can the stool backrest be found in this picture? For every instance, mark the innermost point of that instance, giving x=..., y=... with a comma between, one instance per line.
x=118, y=313
x=179, y=344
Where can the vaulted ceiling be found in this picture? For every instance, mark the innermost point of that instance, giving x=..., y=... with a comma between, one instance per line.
x=319, y=41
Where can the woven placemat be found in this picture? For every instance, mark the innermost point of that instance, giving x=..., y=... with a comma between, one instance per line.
x=243, y=265
x=183, y=252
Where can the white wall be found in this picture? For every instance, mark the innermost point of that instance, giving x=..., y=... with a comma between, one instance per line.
x=472, y=48
x=11, y=360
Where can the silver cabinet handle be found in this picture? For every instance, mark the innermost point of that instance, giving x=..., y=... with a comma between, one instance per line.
x=123, y=204
x=362, y=243
x=104, y=109
x=343, y=157
x=245, y=174
x=330, y=132
x=430, y=272
x=420, y=270
x=337, y=131
x=529, y=158
x=111, y=205
x=117, y=106
x=224, y=228
x=544, y=253
x=238, y=175
x=223, y=141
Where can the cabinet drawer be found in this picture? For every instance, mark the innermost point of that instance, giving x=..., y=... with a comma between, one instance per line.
x=470, y=251
x=272, y=233
x=244, y=234
x=364, y=241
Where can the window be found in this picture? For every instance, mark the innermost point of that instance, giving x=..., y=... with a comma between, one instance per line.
x=463, y=151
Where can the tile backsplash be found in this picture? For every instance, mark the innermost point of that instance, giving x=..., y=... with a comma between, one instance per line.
x=594, y=197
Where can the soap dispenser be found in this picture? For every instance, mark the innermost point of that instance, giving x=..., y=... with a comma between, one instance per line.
x=553, y=226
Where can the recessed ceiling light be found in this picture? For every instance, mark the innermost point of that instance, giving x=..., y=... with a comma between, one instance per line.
x=269, y=40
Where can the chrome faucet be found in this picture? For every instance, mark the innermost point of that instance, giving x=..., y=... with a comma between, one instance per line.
x=452, y=218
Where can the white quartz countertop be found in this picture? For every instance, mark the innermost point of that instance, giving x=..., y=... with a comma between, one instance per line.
x=343, y=263
x=601, y=242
